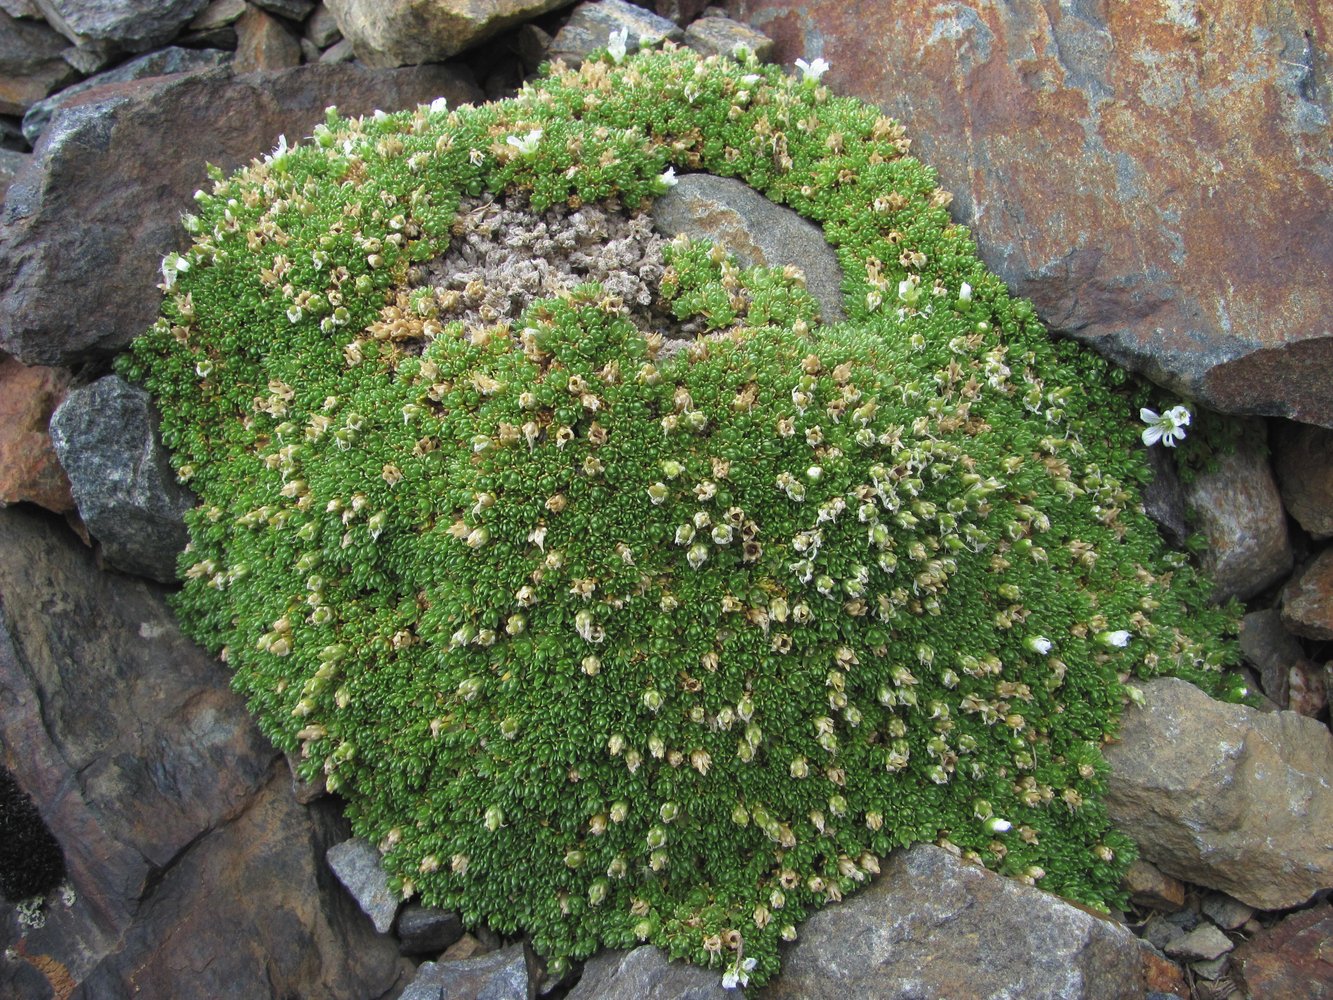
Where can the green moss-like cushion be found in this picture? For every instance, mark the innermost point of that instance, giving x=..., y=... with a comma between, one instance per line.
x=609, y=647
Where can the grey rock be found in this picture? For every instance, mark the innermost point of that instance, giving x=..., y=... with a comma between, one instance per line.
x=1273, y=651
x=501, y=975
x=218, y=14
x=719, y=36
x=1303, y=461
x=1212, y=969
x=1307, y=601
x=1164, y=497
x=21, y=8
x=322, y=27
x=532, y=44
x=130, y=25
x=91, y=57
x=340, y=51
x=1160, y=931
x=160, y=63
x=116, y=171
x=423, y=930
x=11, y=163
x=31, y=64
x=1204, y=942
x=592, y=24
x=934, y=926
x=293, y=10
x=1240, y=513
x=646, y=974
x=357, y=864
x=310, y=52
x=105, y=435
x=1226, y=912
x=1225, y=796
x=399, y=33
x=213, y=38
x=755, y=230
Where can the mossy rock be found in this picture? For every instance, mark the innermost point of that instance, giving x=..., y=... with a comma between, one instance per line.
x=610, y=644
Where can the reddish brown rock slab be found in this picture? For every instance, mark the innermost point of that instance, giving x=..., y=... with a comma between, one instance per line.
x=1292, y=960
x=263, y=44
x=1154, y=176
x=116, y=171
x=1307, y=602
x=1149, y=886
x=1303, y=461
x=29, y=469
x=1161, y=975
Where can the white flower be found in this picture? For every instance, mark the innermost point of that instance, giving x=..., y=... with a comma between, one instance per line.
x=1168, y=427
x=1119, y=638
x=667, y=179
x=997, y=825
x=741, y=52
x=616, y=45
x=439, y=106
x=738, y=975
x=173, y=264
x=811, y=72
x=1039, y=644
x=965, y=292
x=527, y=144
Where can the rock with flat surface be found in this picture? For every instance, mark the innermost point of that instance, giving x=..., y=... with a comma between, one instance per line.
x=1307, y=602
x=1290, y=960
x=117, y=171
x=646, y=973
x=1154, y=176
x=29, y=469
x=934, y=926
x=1205, y=942
x=410, y=32
x=1225, y=796
x=263, y=44
x=719, y=36
x=593, y=24
x=105, y=435
x=501, y=975
x=755, y=230
x=127, y=25
x=424, y=930
x=359, y=868
x=1303, y=462
x=31, y=64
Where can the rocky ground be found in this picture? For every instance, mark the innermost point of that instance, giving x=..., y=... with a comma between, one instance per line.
x=1155, y=179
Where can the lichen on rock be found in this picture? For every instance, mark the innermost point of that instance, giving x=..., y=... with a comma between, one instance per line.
x=609, y=643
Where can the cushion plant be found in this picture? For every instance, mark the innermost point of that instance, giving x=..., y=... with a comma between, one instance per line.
x=607, y=642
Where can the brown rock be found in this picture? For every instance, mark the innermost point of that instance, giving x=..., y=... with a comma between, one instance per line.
x=1240, y=513
x=1291, y=960
x=1161, y=975
x=1307, y=689
x=718, y=36
x=116, y=172
x=409, y=32
x=29, y=469
x=1153, y=176
x=1307, y=602
x=1225, y=796
x=1272, y=651
x=1148, y=886
x=30, y=64
x=264, y=44
x=1303, y=461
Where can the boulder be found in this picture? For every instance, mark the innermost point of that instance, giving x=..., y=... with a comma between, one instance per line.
x=117, y=172
x=409, y=32
x=501, y=975
x=933, y=926
x=1240, y=513
x=1153, y=176
x=106, y=437
x=1225, y=796
x=263, y=44
x=29, y=469
x=1307, y=602
x=163, y=62
x=31, y=64
x=593, y=24
x=1303, y=461
x=128, y=25
x=646, y=973
x=193, y=871
x=1290, y=960
x=359, y=868
x=755, y=230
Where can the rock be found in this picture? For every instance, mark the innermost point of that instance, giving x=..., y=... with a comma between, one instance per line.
x=502, y=975
x=1160, y=931
x=292, y=10
x=310, y=52
x=305, y=792
x=532, y=44
x=1164, y=497
x=1307, y=689
x=91, y=57
x=592, y=25
x=1303, y=461
x=31, y=64
x=213, y=38
x=1240, y=513
x=1161, y=976
x=1225, y=796
x=469, y=946
x=1291, y=959
x=118, y=170
x=357, y=864
x=646, y=974
x=105, y=436
x=1307, y=602
x=29, y=469
x=1070, y=136
x=264, y=44
x=194, y=873
x=322, y=27
x=21, y=8
x=11, y=162
x=159, y=63
x=128, y=25
x=1148, y=886
x=339, y=52
x=1213, y=969
x=423, y=930
x=397, y=33
x=755, y=230
x=1227, y=913
x=719, y=36
x=219, y=14
x=681, y=11
x=933, y=926
x=1272, y=651
x=1204, y=942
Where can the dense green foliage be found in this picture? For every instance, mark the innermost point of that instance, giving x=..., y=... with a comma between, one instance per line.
x=611, y=646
